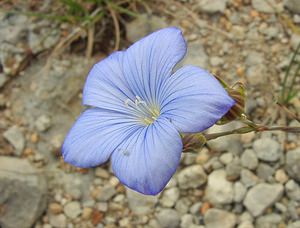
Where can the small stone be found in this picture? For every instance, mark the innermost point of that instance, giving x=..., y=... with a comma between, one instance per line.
x=72, y=209
x=267, y=149
x=168, y=218
x=293, y=164
x=295, y=40
x=140, y=204
x=55, y=208
x=106, y=193
x=281, y=176
x=226, y=158
x=246, y=224
x=170, y=196
x=16, y=138
x=233, y=170
x=183, y=205
x=216, y=61
x=292, y=190
x=270, y=220
x=102, y=173
x=43, y=123
x=186, y=221
x=266, y=6
x=145, y=24
x=34, y=138
x=191, y=177
x=239, y=192
x=249, y=159
x=196, y=56
x=207, y=6
x=294, y=225
x=253, y=74
x=195, y=208
x=265, y=171
x=58, y=221
x=293, y=5
x=262, y=196
x=215, y=218
x=219, y=190
x=86, y=213
x=102, y=206
x=248, y=178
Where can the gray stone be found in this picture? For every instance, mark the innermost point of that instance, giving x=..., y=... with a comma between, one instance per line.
x=168, y=218
x=246, y=224
x=293, y=5
x=216, y=61
x=23, y=193
x=239, y=192
x=254, y=58
x=249, y=159
x=215, y=218
x=265, y=171
x=229, y=143
x=271, y=220
x=16, y=138
x=170, y=196
x=267, y=149
x=233, y=170
x=292, y=190
x=140, y=204
x=143, y=25
x=293, y=163
x=195, y=208
x=196, y=56
x=219, y=190
x=262, y=196
x=186, y=221
x=102, y=173
x=72, y=209
x=58, y=221
x=208, y=6
x=294, y=225
x=43, y=123
x=183, y=205
x=106, y=193
x=191, y=177
x=269, y=6
x=226, y=158
x=253, y=74
x=248, y=178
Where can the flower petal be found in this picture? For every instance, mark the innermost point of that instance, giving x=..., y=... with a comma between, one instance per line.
x=193, y=100
x=149, y=61
x=147, y=160
x=94, y=136
x=106, y=87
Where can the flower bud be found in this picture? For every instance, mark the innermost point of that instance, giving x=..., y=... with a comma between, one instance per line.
x=192, y=142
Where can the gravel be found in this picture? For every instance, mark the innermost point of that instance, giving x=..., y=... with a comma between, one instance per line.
x=168, y=218
x=191, y=177
x=267, y=149
x=293, y=163
x=215, y=218
x=16, y=138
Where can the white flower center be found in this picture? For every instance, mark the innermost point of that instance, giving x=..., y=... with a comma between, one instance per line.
x=147, y=114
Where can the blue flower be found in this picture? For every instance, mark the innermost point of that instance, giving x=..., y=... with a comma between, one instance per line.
x=138, y=107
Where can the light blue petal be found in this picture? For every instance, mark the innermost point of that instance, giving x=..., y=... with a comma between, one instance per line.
x=149, y=61
x=193, y=100
x=106, y=87
x=148, y=158
x=94, y=136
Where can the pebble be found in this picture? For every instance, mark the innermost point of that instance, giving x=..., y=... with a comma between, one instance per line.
x=140, y=204
x=239, y=192
x=183, y=205
x=249, y=159
x=295, y=40
x=191, y=177
x=168, y=218
x=216, y=6
x=216, y=61
x=281, y=176
x=43, y=123
x=262, y=196
x=293, y=5
x=265, y=172
x=55, y=208
x=102, y=173
x=106, y=193
x=16, y=138
x=58, y=221
x=233, y=170
x=72, y=209
x=215, y=218
x=196, y=56
x=248, y=178
x=102, y=206
x=219, y=190
x=293, y=163
x=170, y=196
x=246, y=224
x=270, y=220
x=267, y=149
x=226, y=158
x=292, y=190
x=195, y=208
x=86, y=213
x=186, y=221
x=266, y=6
